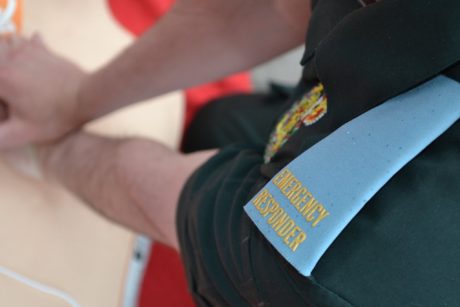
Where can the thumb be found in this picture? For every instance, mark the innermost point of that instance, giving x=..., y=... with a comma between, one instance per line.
x=13, y=133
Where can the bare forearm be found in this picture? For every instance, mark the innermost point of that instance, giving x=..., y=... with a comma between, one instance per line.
x=198, y=41
x=87, y=166
x=189, y=46
x=134, y=182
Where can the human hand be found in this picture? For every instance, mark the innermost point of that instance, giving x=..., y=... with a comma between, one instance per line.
x=38, y=91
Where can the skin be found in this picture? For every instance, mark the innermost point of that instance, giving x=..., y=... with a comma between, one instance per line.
x=135, y=182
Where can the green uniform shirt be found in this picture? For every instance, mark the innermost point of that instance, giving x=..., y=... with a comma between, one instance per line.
x=403, y=248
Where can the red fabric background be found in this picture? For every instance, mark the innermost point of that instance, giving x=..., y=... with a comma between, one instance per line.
x=164, y=281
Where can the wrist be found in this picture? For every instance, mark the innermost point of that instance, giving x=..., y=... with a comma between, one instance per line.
x=49, y=157
x=95, y=98
x=83, y=102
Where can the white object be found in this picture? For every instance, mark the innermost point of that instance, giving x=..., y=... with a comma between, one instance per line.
x=6, y=15
x=39, y=286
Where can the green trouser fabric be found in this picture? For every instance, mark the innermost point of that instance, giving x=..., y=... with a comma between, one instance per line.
x=403, y=248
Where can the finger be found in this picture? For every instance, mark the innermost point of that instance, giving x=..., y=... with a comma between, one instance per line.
x=13, y=133
x=15, y=41
x=38, y=40
x=9, y=43
x=12, y=40
x=3, y=48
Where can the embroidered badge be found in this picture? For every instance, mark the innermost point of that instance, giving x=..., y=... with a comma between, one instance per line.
x=307, y=111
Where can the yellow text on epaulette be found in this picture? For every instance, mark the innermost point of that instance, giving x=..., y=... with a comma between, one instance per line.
x=279, y=220
x=301, y=198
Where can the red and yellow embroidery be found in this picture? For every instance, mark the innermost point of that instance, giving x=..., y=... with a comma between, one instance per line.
x=307, y=111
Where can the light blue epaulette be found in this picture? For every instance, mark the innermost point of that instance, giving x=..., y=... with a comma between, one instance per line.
x=303, y=209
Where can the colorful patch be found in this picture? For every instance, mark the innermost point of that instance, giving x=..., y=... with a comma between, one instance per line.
x=307, y=111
